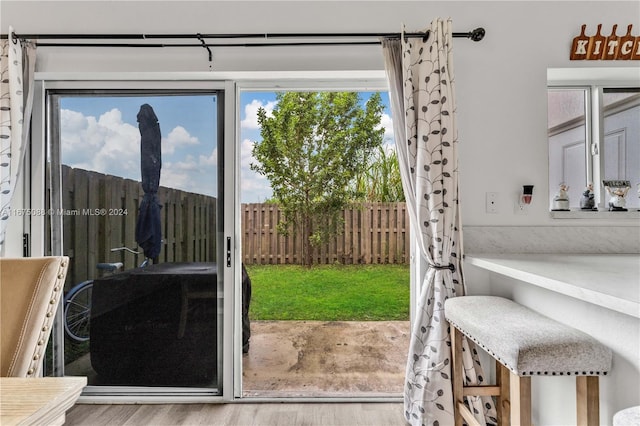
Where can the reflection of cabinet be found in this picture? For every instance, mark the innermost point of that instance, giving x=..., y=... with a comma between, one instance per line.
x=567, y=164
x=622, y=149
x=615, y=153
x=141, y=333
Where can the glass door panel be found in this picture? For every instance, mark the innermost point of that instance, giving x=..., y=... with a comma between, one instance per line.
x=140, y=209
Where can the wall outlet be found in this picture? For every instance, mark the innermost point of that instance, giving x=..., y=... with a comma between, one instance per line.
x=491, y=200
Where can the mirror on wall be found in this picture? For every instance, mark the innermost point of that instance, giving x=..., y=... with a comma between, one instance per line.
x=594, y=140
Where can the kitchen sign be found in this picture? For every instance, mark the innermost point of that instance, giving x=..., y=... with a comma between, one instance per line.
x=608, y=48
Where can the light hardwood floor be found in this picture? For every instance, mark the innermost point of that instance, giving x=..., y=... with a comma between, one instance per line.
x=239, y=414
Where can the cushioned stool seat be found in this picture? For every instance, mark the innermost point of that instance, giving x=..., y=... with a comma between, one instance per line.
x=527, y=344
x=627, y=417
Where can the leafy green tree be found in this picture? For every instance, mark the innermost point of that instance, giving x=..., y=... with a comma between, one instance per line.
x=312, y=147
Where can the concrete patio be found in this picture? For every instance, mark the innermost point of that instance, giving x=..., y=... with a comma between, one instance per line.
x=326, y=358
x=290, y=359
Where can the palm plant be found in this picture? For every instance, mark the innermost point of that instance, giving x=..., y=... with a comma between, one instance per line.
x=381, y=180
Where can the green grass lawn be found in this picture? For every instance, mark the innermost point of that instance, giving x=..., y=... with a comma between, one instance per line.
x=329, y=292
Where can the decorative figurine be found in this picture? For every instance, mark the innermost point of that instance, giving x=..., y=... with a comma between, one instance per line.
x=588, y=202
x=617, y=189
x=561, y=200
x=617, y=201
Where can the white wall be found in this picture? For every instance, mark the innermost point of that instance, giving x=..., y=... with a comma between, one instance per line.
x=500, y=81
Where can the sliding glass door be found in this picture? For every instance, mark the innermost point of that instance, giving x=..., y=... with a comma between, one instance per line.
x=135, y=200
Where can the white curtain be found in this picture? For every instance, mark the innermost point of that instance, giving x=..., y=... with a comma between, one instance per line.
x=17, y=65
x=422, y=96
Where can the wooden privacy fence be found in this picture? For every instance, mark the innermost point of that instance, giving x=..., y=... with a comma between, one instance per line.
x=373, y=233
x=100, y=213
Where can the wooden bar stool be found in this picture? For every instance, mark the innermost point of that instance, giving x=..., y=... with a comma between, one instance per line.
x=524, y=344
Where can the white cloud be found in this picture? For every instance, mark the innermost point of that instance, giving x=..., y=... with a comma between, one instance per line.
x=209, y=160
x=197, y=175
x=254, y=187
x=387, y=123
x=173, y=177
x=246, y=154
x=106, y=145
x=177, y=138
x=188, y=164
x=251, y=113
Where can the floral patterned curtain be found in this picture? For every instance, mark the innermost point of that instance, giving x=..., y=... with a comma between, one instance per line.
x=17, y=65
x=423, y=105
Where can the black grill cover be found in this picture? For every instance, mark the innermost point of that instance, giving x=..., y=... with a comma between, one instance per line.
x=136, y=336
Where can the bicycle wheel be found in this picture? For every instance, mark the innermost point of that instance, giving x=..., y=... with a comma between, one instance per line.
x=77, y=311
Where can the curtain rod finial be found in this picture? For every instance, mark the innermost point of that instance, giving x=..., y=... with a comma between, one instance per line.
x=477, y=34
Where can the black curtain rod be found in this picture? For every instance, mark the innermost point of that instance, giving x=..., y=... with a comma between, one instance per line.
x=475, y=35
x=207, y=45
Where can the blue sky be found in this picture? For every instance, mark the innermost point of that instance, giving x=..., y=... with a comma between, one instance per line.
x=101, y=134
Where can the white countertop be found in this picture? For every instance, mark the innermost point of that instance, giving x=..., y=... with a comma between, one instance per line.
x=608, y=280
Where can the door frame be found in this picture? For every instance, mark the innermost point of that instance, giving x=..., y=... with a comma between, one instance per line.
x=231, y=84
x=41, y=137
x=312, y=81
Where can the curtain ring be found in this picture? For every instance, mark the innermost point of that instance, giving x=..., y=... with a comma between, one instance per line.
x=14, y=38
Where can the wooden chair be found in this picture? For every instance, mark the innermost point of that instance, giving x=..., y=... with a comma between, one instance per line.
x=523, y=344
x=30, y=290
